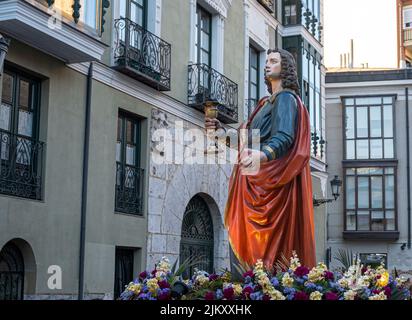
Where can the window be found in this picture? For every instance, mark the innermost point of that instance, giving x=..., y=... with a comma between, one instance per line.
x=374, y=260
x=20, y=151
x=407, y=17
x=254, y=75
x=203, y=36
x=370, y=199
x=135, y=10
x=129, y=175
x=290, y=15
x=369, y=128
x=123, y=273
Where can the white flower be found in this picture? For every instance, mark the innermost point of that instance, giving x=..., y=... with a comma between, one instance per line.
x=349, y=295
x=315, y=296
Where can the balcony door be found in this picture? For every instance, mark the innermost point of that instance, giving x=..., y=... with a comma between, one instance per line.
x=19, y=146
x=135, y=11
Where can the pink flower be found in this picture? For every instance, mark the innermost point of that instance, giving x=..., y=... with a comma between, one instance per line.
x=331, y=296
x=301, y=271
x=210, y=295
x=228, y=293
x=300, y=295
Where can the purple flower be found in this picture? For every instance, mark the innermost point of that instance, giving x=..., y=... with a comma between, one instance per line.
x=247, y=291
x=328, y=275
x=210, y=295
x=331, y=296
x=163, y=284
x=213, y=277
x=228, y=293
x=300, y=295
x=388, y=291
x=143, y=275
x=301, y=271
x=266, y=298
x=248, y=274
x=164, y=295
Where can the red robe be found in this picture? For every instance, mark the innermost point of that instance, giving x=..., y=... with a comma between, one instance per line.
x=271, y=213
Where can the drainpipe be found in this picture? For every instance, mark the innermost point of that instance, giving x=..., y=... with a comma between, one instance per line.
x=408, y=166
x=84, y=182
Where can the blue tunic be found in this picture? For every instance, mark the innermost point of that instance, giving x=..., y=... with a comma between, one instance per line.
x=277, y=121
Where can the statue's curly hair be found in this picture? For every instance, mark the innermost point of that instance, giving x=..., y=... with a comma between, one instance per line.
x=288, y=72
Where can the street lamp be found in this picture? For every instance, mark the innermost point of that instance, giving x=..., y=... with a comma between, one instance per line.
x=335, y=184
x=4, y=47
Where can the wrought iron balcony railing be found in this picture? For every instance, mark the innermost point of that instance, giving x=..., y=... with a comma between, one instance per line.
x=318, y=145
x=142, y=55
x=72, y=9
x=407, y=34
x=268, y=4
x=21, y=166
x=205, y=83
x=129, y=189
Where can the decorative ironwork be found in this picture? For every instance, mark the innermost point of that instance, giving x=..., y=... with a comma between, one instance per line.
x=205, y=84
x=268, y=5
x=320, y=29
x=21, y=162
x=142, y=55
x=129, y=189
x=105, y=6
x=197, y=236
x=76, y=10
x=11, y=273
x=318, y=145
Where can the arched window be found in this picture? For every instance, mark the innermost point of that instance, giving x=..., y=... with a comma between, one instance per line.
x=197, y=236
x=11, y=273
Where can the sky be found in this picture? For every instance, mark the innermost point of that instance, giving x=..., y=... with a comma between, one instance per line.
x=372, y=25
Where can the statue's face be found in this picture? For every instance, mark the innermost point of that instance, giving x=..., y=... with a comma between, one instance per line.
x=273, y=65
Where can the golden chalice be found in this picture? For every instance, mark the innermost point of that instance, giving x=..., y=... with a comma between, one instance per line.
x=211, y=112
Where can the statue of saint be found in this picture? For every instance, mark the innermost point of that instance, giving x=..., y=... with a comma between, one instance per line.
x=270, y=213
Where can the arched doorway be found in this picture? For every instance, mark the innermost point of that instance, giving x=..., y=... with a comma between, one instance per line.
x=197, y=236
x=11, y=273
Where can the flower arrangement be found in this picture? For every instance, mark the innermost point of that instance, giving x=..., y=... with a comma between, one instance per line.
x=296, y=283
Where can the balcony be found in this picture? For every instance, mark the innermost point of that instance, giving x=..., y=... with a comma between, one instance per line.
x=129, y=189
x=66, y=29
x=268, y=5
x=317, y=145
x=142, y=55
x=205, y=83
x=21, y=163
x=407, y=38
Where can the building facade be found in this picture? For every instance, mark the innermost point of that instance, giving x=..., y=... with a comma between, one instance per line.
x=368, y=133
x=88, y=192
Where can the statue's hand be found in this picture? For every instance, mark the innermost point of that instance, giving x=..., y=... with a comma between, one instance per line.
x=212, y=124
x=250, y=158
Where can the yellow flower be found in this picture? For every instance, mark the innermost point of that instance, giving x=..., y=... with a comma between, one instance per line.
x=383, y=280
x=315, y=296
x=287, y=280
x=152, y=285
x=349, y=295
x=238, y=289
x=294, y=261
x=380, y=296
